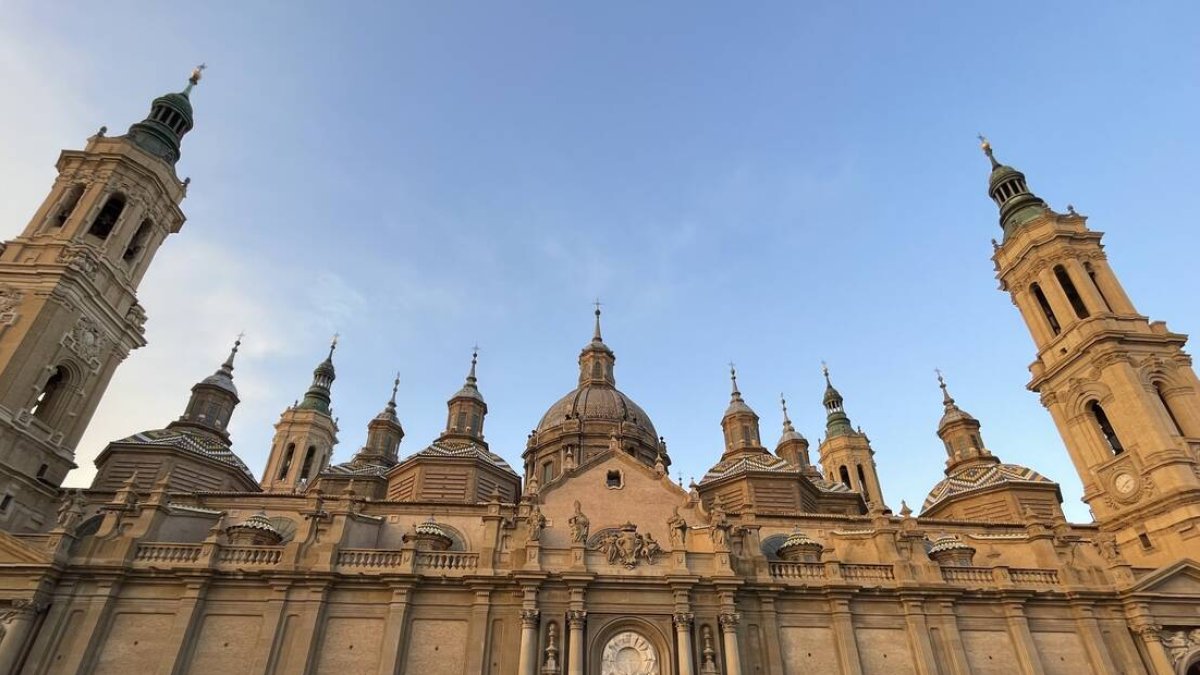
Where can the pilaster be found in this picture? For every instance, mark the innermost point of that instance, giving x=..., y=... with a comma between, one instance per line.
x=1022, y=639
x=395, y=630
x=842, y=623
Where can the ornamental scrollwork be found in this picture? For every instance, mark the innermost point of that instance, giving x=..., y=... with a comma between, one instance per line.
x=136, y=316
x=529, y=618
x=1179, y=643
x=87, y=340
x=81, y=259
x=10, y=299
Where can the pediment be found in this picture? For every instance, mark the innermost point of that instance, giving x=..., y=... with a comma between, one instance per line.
x=644, y=499
x=1180, y=579
x=13, y=551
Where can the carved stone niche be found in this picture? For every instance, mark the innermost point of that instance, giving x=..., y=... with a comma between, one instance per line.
x=799, y=547
x=949, y=551
x=256, y=530
x=429, y=536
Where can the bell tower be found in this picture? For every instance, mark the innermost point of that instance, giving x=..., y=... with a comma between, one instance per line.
x=1120, y=388
x=68, y=298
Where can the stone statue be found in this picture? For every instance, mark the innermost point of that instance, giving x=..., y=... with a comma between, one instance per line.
x=579, y=524
x=628, y=547
x=677, y=529
x=537, y=523
x=650, y=548
x=70, y=510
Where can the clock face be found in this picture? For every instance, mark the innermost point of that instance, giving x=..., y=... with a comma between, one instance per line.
x=1125, y=483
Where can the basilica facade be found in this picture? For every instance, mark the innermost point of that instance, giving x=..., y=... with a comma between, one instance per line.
x=586, y=558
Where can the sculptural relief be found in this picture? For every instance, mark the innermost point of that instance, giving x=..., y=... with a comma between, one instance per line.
x=629, y=654
x=626, y=546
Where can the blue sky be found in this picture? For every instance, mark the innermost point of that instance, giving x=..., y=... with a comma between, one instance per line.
x=775, y=184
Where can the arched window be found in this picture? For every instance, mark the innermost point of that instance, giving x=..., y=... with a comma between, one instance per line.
x=862, y=478
x=287, y=461
x=308, y=461
x=547, y=472
x=461, y=421
x=106, y=220
x=1046, y=309
x=1091, y=272
x=51, y=394
x=67, y=206
x=137, y=243
x=475, y=423
x=1162, y=398
x=845, y=475
x=1106, y=428
x=41, y=472
x=1072, y=294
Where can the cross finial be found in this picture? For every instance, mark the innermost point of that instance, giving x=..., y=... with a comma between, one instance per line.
x=733, y=378
x=783, y=404
x=194, y=79
x=946, y=398
x=395, y=387
x=825, y=371
x=333, y=344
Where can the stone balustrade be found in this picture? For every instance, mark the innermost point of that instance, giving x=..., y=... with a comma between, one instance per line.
x=968, y=575
x=797, y=570
x=370, y=558
x=1033, y=577
x=250, y=555
x=446, y=561
x=863, y=572
x=165, y=552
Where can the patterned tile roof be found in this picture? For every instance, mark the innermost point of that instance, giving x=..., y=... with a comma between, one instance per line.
x=831, y=486
x=746, y=464
x=453, y=447
x=977, y=477
x=192, y=442
x=353, y=468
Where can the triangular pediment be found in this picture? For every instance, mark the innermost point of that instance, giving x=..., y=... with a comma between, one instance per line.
x=13, y=551
x=1182, y=579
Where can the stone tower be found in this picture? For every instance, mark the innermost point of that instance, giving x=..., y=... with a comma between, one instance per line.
x=68, y=298
x=304, y=435
x=1119, y=386
x=846, y=454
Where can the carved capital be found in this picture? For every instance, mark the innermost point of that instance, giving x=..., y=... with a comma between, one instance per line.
x=23, y=609
x=729, y=621
x=1149, y=632
x=683, y=620
x=576, y=619
x=529, y=618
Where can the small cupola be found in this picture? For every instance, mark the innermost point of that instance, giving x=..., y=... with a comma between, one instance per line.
x=318, y=395
x=467, y=409
x=170, y=119
x=792, y=446
x=213, y=400
x=740, y=422
x=1007, y=187
x=837, y=423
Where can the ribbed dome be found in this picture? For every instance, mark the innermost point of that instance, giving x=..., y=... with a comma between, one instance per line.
x=596, y=402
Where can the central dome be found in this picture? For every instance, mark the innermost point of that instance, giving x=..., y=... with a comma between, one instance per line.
x=596, y=402
x=595, y=418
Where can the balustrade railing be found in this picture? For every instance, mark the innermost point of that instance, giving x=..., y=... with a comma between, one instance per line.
x=968, y=575
x=868, y=572
x=447, y=560
x=368, y=557
x=160, y=552
x=1034, y=576
x=797, y=570
x=250, y=555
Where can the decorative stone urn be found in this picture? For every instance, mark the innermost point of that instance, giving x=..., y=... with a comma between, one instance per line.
x=949, y=550
x=799, y=547
x=256, y=530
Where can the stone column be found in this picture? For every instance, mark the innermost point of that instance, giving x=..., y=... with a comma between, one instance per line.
x=1088, y=292
x=392, y=658
x=918, y=636
x=1093, y=639
x=576, y=620
x=843, y=636
x=683, y=641
x=183, y=632
x=529, y=642
x=1018, y=629
x=1056, y=297
x=1151, y=634
x=733, y=658
x=18, y=621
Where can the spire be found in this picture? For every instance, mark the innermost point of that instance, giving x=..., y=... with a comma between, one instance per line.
x=1007, y=187
x=789, y=431
x=213, y=399
x=836, y=421
x=596, y=361
x=389, y=411
x=470, y=389
x=194, y=80
x=596, y=334
x=736, y=404
x=952, y=413
x=318, y=395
